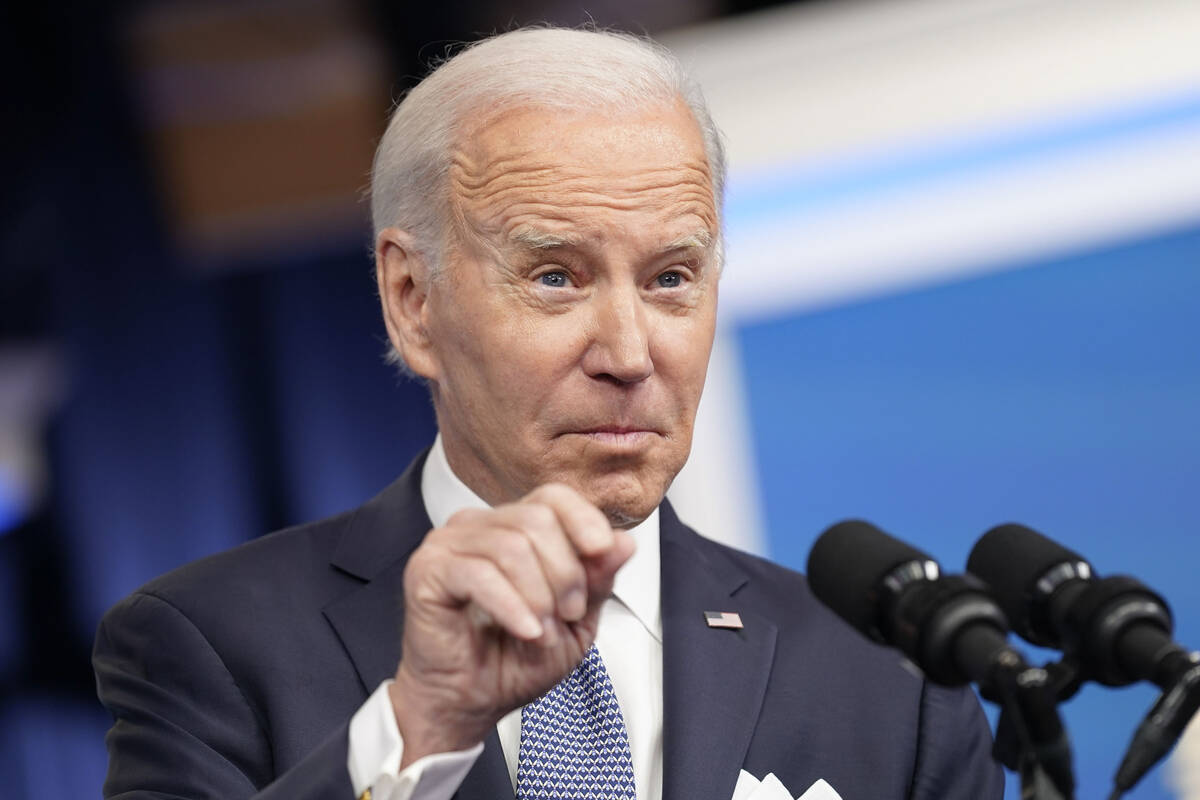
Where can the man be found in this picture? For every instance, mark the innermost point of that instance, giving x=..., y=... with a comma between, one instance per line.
x=521, y=611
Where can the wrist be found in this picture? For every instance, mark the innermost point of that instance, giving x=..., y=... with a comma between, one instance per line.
x=429, y=722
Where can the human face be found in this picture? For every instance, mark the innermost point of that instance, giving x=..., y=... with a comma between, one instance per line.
x=571, y=327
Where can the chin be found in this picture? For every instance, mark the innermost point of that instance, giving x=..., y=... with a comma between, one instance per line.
x=626, y=499
x=626, y=518
x=625, y=487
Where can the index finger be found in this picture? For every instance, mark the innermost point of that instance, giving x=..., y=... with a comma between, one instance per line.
x=585, y=525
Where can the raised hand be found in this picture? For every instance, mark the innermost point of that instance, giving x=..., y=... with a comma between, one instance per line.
x=500, y=605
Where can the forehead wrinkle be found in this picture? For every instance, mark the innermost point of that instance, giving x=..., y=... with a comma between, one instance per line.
x=492, y=193
x=499, y=176
x=510, y=204
x=483, y=159
x=465, y=172
x=535, y=224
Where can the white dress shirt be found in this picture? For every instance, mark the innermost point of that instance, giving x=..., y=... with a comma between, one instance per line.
x=629, y=639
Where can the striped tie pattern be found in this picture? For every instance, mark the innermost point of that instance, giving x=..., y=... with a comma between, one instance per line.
x=573, y=740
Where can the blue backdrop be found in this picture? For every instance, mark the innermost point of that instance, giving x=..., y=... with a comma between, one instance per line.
x=1062, y=393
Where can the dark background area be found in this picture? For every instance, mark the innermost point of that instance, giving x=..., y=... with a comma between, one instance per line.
x=190, y=356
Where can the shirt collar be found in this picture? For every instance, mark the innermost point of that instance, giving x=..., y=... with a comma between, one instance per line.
x=637, y=584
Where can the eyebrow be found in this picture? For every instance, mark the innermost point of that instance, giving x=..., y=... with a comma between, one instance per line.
x=539, y=240
x=701, y=240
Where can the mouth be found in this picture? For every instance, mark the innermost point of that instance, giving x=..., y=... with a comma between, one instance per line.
x=625, y=436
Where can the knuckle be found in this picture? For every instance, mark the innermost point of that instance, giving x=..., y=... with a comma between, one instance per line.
x=528, y=518
x=478, y=571
x=418, y=562
x=539, y=516
x=436, y=546
x=419, y=582
x=555, y=491
x=512, y=548
x=560, y=491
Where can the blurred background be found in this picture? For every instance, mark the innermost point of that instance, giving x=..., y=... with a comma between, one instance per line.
x=963, y=288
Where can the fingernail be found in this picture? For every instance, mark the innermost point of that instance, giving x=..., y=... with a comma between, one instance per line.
x=548, y=626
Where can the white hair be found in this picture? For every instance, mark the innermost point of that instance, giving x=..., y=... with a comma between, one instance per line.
x=558, y=68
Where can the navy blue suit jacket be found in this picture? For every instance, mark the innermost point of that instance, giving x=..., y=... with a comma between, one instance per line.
x=236, y=676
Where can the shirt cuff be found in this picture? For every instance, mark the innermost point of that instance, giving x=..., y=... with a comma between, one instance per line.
x=376, y=750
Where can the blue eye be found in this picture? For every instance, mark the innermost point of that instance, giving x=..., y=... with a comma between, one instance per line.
x=555, y=279
x=670, y=280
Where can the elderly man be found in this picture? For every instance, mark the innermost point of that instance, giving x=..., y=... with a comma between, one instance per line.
x=522, y=611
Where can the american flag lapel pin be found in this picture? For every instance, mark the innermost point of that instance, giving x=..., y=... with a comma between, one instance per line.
x=723, y=619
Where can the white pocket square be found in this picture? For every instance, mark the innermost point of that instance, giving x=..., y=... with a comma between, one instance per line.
x=820, y=790
x=770, y=788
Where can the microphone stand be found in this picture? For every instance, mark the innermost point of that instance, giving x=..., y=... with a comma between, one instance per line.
x=1030, y=737
x=1031, y=741
x=1163, y=724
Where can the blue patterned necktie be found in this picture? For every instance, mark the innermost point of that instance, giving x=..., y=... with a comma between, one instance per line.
x=573, y=740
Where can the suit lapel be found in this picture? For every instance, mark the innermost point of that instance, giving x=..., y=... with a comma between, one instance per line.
x=379, y=538
x=374, y=547
x=714, y=679
x=369, y=621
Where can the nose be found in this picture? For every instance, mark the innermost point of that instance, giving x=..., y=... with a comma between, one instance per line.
x=620, y=346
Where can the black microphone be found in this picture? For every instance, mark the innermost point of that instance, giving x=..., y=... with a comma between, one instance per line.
x=948, y=625
x=1116, y=630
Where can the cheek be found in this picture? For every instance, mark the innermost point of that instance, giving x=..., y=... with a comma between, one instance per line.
x=510, y=360
x=683, y=351
x=468, y=348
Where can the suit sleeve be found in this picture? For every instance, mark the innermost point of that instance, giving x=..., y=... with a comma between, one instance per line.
x=954, y=750
x=183, y=729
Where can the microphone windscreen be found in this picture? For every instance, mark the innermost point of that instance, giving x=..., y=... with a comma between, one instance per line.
x=1010, y=559
x=847, y=564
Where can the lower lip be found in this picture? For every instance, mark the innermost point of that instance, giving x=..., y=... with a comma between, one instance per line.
x=618, y=439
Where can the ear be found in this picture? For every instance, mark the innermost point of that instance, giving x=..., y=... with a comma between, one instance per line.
x=403, y=278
